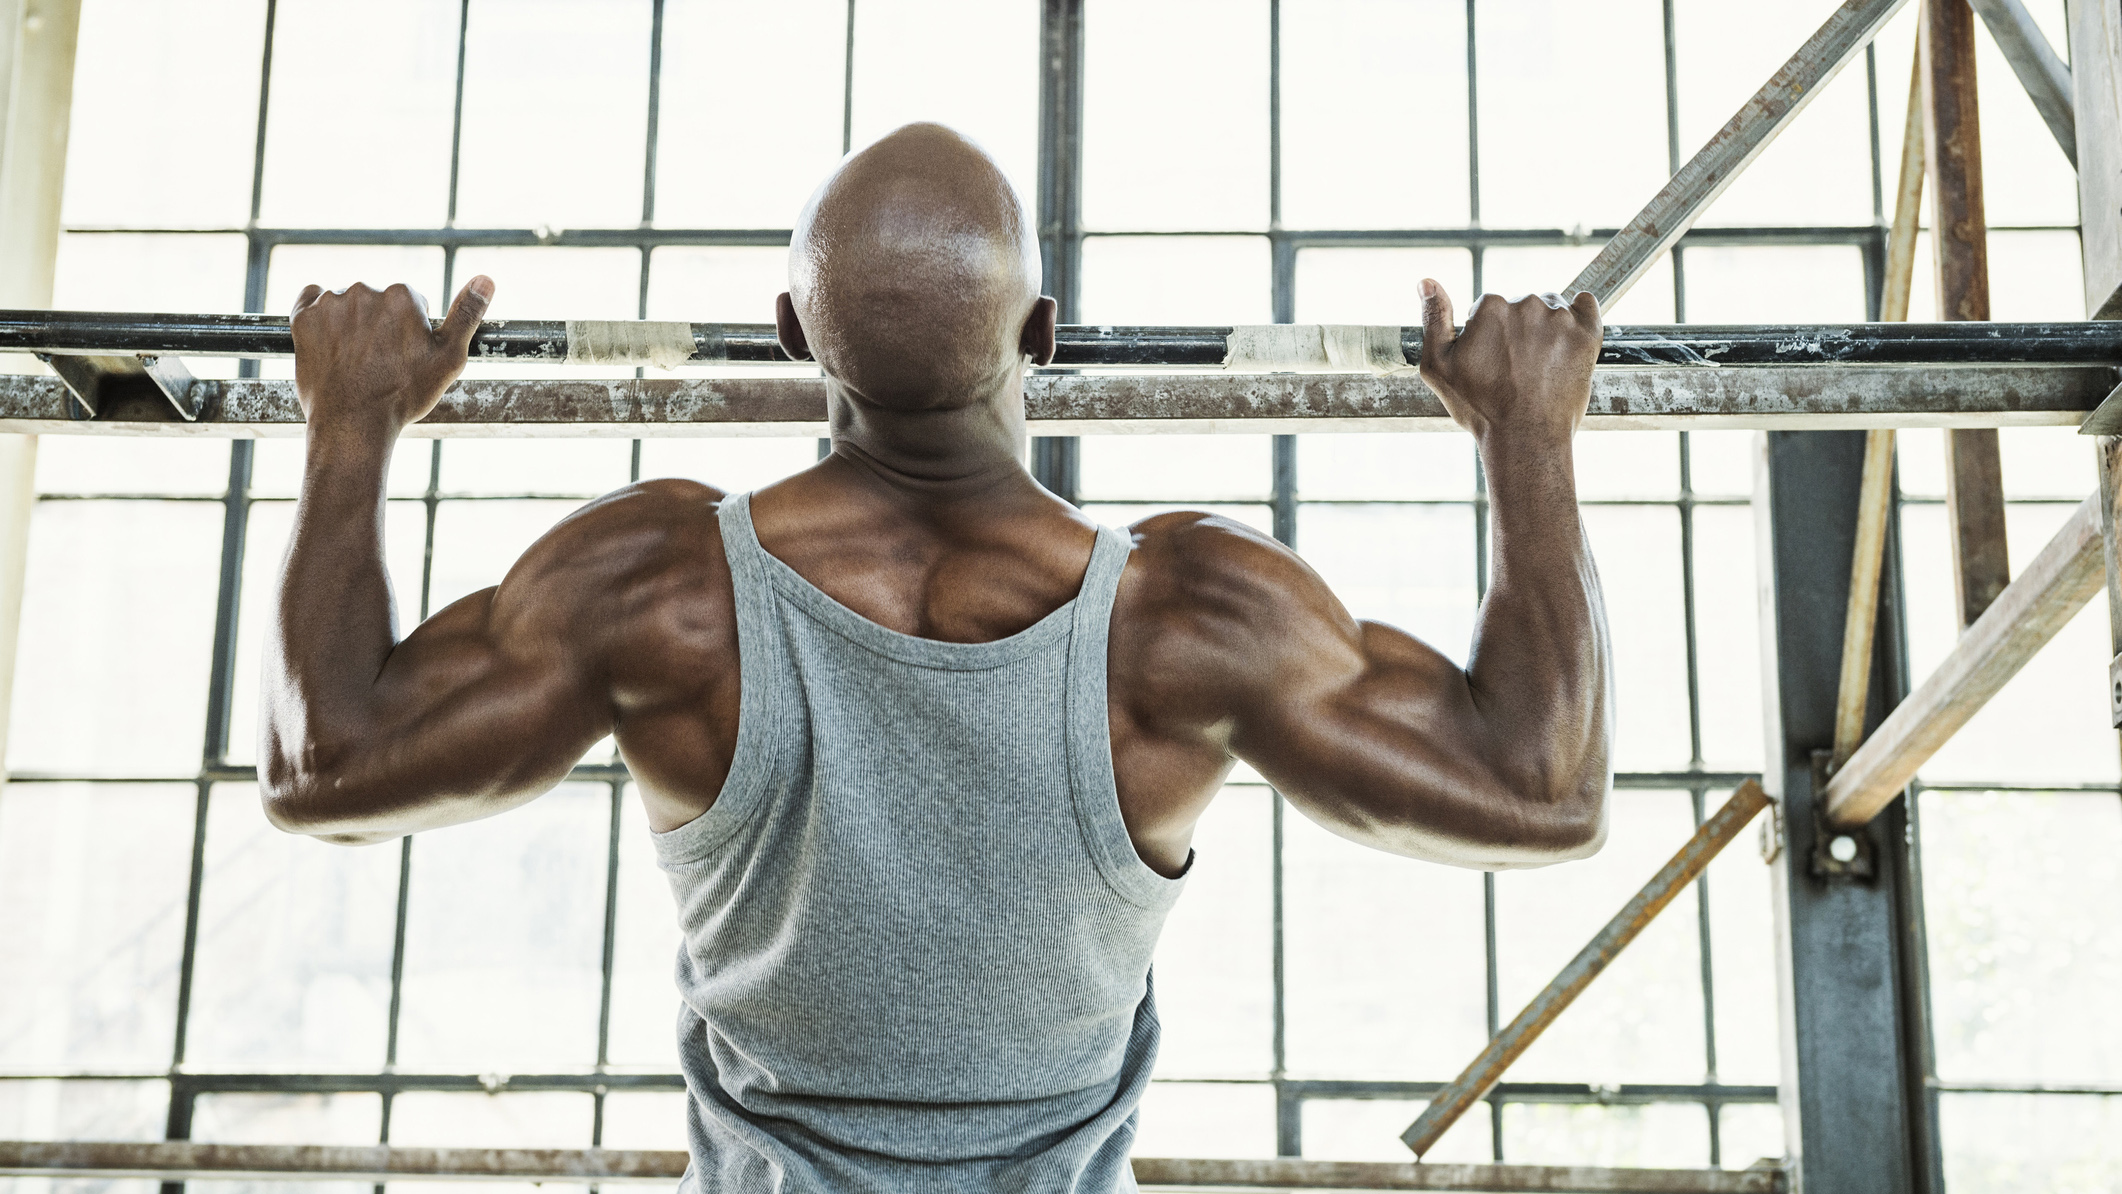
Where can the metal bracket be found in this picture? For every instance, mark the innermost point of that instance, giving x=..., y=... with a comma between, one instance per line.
x=104, y=384
x=2114, y=691
x=2106, y=418
x=1837, y=854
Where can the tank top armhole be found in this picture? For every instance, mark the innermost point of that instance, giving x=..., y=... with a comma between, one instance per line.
x=752, y=762
x=1090, y=746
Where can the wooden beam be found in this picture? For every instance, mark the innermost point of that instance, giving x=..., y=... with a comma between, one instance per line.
x=182, y=1160
x=1974, y=476
x=2096, y=87
x=2055, y=585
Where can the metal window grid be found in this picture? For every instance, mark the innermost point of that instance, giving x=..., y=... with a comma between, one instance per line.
x=1061, y=238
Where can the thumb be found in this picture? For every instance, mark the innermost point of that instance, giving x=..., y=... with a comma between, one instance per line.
x=1437, y=333
x=464, y=314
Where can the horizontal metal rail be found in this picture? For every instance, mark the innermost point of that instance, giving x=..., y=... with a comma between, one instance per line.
x=1786, y=398
x=182, y=1160
x=1910, y=344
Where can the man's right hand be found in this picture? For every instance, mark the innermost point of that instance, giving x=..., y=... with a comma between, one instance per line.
x=367, y=360
x=1521, y=366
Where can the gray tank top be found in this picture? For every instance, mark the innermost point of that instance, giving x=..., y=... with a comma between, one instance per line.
x=917, y=935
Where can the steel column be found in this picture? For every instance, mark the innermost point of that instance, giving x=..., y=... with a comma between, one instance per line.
x=1054, y=459
x=1855, y=1120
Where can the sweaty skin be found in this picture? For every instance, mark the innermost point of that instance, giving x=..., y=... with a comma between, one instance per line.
x=913, y=283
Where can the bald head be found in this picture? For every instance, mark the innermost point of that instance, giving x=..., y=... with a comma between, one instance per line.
x=913, y=274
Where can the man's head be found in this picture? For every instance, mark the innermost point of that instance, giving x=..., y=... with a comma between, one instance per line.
x=914, y=275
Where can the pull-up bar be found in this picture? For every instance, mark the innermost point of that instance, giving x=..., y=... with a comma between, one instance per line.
x=1269, y=348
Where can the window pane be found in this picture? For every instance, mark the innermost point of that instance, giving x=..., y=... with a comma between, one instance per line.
x=1177, y=467
x=1628, y=464
x=1533, y=120
x=1543, y=269
x=2051, y=462
x=1637, y=550
x=1356, y=465
x=382, y=162
x=1214, y=981
x=504, y=943
x=1407, y=566
x=1728, y=637
x=645, y=947
x=128, y=464
x=90, y=1109
x=1377, y=285
x=1390, y=66
x=585, y=467
x=645, y=1119
x=1387, y=965
x=168, y=92
x=586, y=89
x=720, y=57
x=1743, y=969
x=1176, y=280
x=2035, y=276
x=92, y=964
x=1721, y=463
x=342, y=1119
x=2020, y=894
x=265, y=550
x=1819, y=169
x=1998, y=1143
x=1655, y=1135
x=2025, y=177
x=1780, y=284
x=1175, y=115
x=1642, y=1021
x=1751, y=1131
x=970, y=64
x=99, y=688
x=733, y=465
x=527, y=1119
x=717, y=283
x=294, y=953
x=1186, y=1119
x=1369, y=1130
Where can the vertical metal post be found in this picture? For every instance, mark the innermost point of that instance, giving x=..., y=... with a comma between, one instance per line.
x=1974, y=478
x=1055, y=459
x=1853, y=1030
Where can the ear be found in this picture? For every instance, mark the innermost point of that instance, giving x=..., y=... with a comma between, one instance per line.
x=1038, y=339
x=788, y=330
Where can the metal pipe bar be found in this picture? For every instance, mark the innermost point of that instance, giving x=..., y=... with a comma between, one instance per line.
x=1482, y=1074
x=2055, y=585
x=83, y=333
x=182, y=1160
x=1696, y=185
x=2040, y=71
x=1798, y=397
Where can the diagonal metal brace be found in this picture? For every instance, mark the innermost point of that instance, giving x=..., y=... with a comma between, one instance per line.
x=102, y=384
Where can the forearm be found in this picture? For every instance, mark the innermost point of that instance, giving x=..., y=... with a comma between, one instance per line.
x=1540, y=667
x=334, y=625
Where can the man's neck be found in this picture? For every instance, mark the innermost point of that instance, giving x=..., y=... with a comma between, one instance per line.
x=934, y=457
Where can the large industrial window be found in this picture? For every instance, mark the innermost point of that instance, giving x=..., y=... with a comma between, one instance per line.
x=177, y=968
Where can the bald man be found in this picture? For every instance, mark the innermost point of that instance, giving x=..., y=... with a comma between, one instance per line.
x=923, y=747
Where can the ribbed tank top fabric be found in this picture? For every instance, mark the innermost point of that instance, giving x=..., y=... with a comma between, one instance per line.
x=917, y=937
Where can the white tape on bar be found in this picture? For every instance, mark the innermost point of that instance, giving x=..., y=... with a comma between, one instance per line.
x=1315, y=348
x=666, y=345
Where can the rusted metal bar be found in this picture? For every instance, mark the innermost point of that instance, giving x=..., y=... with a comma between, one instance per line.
x=1793, y=398
x=1974, y=474
x=184, y=1160
x=1676, y=207
x=1487, y=1069
x=2040, y=71
x=2055, y=586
